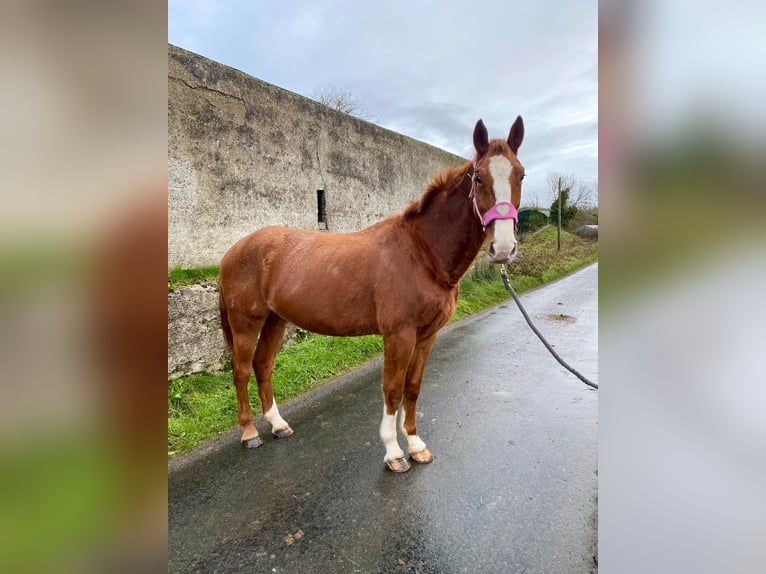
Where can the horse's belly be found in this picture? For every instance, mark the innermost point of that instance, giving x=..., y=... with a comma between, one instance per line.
x=335, y=328
x=318, y=316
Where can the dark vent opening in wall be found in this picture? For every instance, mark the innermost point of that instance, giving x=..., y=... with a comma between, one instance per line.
x=321, y=210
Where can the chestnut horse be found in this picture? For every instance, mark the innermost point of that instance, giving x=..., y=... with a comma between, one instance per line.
x=398, y=278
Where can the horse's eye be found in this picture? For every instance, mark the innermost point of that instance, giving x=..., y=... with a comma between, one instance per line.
x=522, y=177
x=478, y=178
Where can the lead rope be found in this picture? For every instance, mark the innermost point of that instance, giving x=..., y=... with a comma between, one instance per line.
x=506, y=281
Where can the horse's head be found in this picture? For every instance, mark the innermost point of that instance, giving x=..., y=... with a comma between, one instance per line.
x=497, y=175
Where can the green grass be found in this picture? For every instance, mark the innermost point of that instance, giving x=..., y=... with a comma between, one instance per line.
x=537, y=263
x=203, y=406
x=479, y=289
x=182, y=276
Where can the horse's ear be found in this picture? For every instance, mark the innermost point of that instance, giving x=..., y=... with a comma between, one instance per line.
x=480, y=138
x=517, y=134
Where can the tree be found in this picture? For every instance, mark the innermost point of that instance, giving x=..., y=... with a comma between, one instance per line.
x=568, y=209
x=342, y=100
x=560, y=184
x=586, y=201
x=558, y=181
x=584, y=195
x=587, y=216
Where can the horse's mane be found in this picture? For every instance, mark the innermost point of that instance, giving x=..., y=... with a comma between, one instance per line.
x=442, y=182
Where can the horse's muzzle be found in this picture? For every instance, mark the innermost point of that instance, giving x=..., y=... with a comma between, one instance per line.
x=501, y=256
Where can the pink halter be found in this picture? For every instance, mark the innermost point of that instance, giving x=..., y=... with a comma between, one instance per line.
x=501, y=209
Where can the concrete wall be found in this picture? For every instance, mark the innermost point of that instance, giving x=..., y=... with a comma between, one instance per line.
x=195, y=340
x=243, y=154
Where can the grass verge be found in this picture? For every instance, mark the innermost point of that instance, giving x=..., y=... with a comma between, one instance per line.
x=203, y=406
x=178, y=276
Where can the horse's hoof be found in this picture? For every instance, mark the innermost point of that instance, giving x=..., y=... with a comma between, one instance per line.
x=398, y=465
x=254, y=442
x=422, y=457
x=282, y=433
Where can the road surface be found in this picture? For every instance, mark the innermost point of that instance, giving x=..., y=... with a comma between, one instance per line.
x=512, y=488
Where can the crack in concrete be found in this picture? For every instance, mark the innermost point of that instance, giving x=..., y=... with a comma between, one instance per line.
x=207, y=89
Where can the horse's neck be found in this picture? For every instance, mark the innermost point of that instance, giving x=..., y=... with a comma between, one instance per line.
x=451, y=231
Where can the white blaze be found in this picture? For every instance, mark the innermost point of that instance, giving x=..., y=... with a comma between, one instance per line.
x=500, y=168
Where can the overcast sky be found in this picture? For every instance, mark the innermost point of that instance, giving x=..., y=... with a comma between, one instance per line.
x=427, y=69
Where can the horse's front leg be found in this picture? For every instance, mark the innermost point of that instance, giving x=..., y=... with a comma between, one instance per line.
x=415, y=446
x=397, y=354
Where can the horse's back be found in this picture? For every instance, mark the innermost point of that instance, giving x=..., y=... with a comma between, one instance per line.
x=288, y=246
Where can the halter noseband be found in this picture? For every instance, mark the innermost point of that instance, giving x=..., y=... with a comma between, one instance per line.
x=501, y=209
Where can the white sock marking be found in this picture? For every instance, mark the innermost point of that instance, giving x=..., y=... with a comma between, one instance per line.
x=388, y=436
x=414, y=443
x=272, y=415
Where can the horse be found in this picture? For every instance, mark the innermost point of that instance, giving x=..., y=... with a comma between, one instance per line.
x=398, y=278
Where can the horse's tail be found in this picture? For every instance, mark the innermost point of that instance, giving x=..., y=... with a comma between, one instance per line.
x=225, y=319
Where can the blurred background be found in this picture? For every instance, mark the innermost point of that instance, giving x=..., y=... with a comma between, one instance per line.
x=682, y=436
x=83, y=234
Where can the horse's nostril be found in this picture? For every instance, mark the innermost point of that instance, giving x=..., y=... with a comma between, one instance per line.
x=491, y=249
x=513, y=251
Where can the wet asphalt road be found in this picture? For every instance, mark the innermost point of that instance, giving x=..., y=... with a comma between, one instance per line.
x=512, y=488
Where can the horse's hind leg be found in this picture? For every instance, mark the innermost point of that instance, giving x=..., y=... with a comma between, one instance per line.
x=415, y=446
x=243, y=348
x=272, y=334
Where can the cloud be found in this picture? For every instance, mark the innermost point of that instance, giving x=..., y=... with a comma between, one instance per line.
x=428, y=69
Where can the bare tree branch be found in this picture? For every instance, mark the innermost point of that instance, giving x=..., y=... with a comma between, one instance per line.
x=342, y=100
x=583, y=196
x=558, y=181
